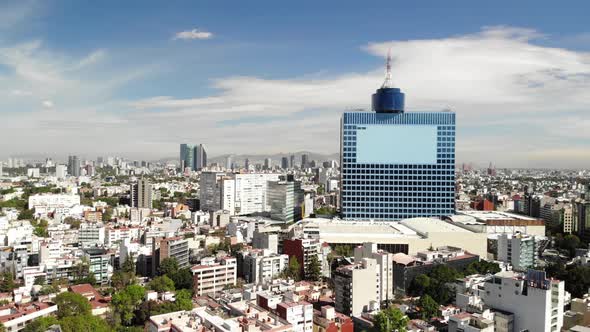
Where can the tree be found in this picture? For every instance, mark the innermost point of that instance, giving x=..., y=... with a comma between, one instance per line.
x=428, y=307
x=390, y=319
x=420, y=284
x=184, y=300
x=293, y=271
x=41, y=324
x=168, y=266
x=125, y=302
x=161, y=284
x=84, y=323
x=314, y=268
x=72, y=304
x=107, y=214
x=7, y=283
x=74, y=223
x=183, y=279
x=26, y=214
x=40, y=280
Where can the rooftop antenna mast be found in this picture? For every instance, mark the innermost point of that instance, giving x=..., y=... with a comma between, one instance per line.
x=388, y=81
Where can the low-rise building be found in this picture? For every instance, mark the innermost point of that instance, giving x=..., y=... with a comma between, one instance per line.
x=214, y=275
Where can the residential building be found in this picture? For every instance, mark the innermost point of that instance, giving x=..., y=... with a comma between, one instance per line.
x=260, y=266
x=396, y=165
x=213, y=276
x=328, y=320
x=385, y=262
x=141, y=194
x=536, y=302
x=468, y=322
x=99, y=261
x=176, y=248
x=303, y=250
x=304, y=161
x=520, y=250
x=91, y=234
x=357, y=287
x=298, y=314
x=61, y=171
x=15, y=317
x=568, y=219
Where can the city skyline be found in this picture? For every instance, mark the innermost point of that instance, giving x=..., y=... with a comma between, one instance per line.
x=517, y=85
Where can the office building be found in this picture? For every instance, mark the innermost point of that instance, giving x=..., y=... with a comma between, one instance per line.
x=567, y=218
x=74, y=166
x=200, y=157
x=519, y=250
x=186, y=157
x=177, y=248
x=141, y=194
x=304, y=161
x=228, y=163
x=285, y=198
x=292, y=161
x=213, y=275
x=397, y=165
x=581, y=215
x=284, y=163
x=61, y=171
x=267, y=163
x=357, y=287
x=536, y=302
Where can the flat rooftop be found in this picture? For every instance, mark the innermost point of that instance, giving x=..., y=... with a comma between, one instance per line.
x=494, y=215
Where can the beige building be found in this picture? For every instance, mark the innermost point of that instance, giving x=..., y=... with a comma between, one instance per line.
x=213, y=275
x=357, y=287
x=384, y=262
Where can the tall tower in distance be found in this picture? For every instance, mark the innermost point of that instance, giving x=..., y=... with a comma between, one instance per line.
x=396, y=165
x=141, y=194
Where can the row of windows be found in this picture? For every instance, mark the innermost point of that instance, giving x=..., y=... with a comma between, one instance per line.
x=393, y=174
x=398, y=215
x=397, y=180
x=397, y=166
x=364, y=191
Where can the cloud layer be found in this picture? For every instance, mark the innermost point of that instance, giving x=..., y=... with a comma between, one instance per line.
x=193, y=34
x=517, y=103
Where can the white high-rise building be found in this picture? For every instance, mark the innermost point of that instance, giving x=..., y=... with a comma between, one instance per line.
x=519, y=250
x=240, y=194
x=536, y=302
x=61, y=171
x=384, y=261
x=357, y=287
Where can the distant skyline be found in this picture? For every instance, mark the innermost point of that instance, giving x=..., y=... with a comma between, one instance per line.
x=138, y=78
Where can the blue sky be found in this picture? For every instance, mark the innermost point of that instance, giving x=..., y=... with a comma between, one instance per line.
x=121, y=77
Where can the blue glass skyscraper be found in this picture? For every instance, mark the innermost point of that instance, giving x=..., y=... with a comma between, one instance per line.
x=396, y=165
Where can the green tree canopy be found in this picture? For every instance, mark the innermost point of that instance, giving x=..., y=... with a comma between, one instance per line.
x=390, y=319
x=72, y=304
x=40, y=324
x=428, y=307
x=161, y=284
x=125, y=302
x=84, y=323
x=314, y=268
x=168, y=266
x=183, y=279
x=293, y=271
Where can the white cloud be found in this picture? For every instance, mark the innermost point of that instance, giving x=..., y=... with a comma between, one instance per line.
x=509, y=93
x=17, y=92
x=193, y=34
x=47, y=104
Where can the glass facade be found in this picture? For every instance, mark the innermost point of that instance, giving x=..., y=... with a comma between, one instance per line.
x=397, y=165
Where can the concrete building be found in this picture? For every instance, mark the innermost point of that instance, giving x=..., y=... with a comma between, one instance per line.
x=568, y=219
x=213, y=276
x=536, y=302
x=141, y=194
x=357, y=287
x=99, y=264
x=521, y=251
x=298, y=314
x=470, y=322
x=261, y=266
x=498, y=222
x=176, y=248
x=303, y=250
x=406, y=268
x=15, y=317
x=328, y=320
x=91, y=234
x=200, y=157
x=384, y=262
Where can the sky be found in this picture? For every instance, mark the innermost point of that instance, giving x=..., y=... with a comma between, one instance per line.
x=137, y=78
